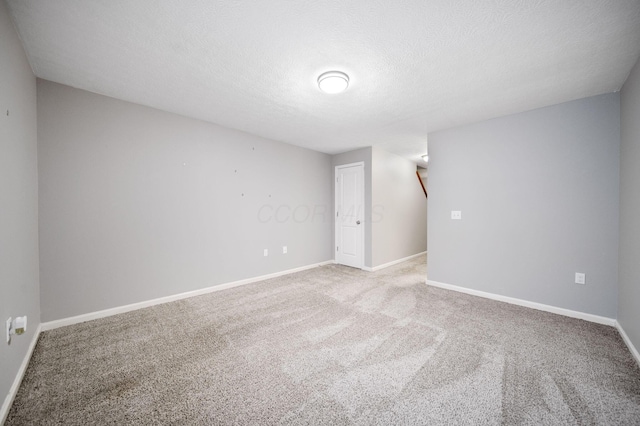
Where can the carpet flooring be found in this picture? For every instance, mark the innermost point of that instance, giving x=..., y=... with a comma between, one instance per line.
x=332, y=345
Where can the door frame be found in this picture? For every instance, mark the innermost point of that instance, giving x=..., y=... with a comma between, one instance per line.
x=336, y=230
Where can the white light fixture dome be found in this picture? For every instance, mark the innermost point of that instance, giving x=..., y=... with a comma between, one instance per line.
x=333, y=82
x=425, y=158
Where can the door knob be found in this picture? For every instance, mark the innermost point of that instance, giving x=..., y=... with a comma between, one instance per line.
x=358, y=222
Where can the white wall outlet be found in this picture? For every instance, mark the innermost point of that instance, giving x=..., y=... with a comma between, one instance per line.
x=266, y=252
x=8, y=328
x=20, y=325
x=284, y=249
x=456, y=214
x=580, y=278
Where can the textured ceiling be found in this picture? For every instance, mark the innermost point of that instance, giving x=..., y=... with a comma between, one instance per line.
x=415, y=65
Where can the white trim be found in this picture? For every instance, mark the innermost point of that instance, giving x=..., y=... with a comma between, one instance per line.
x=627, y=341
x=364, y=209
x=13, y=390
x=50, y=325
x=357, y=163
x=520, y=302
x=394, y=262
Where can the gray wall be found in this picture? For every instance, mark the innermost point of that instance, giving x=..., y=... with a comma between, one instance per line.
x=629, y=267
x=364, y=155
x=18, y=199
x=539, y=195
x=136, y=203
x=399, y=209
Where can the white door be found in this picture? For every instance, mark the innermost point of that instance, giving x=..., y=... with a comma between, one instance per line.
x=350, y=215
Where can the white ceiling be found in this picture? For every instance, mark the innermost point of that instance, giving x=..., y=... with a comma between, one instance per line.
x=415, y=65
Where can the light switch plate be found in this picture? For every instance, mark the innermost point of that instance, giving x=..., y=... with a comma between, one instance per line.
x=580, y=278
x=284, y=249
x=456, y=214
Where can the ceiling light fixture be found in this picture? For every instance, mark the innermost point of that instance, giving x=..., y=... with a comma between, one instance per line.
x=425, y=158
x=333, y=82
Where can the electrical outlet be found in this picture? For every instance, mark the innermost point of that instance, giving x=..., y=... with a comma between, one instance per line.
x=284, y=249
x=580, y=278
x=456, y=214
x=8, y=327
x=266, y=252
x=20, y=325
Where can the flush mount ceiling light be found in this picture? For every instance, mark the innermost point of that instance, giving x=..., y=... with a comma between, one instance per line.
x=425, y=158
x=333, y=82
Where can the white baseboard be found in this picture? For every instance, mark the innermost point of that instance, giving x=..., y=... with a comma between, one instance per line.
x=50, y=325
x=395, y=262
x=520, y=302
x=627, y=341
x=6, y=405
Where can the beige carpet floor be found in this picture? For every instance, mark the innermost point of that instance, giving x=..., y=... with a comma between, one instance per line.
x=332, y=345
